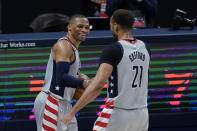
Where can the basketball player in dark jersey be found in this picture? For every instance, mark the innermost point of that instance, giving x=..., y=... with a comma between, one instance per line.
x=62, y=78
x=125, y=65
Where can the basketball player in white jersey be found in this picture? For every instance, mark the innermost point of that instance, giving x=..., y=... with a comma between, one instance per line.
x=62, y=78
x=125, y=65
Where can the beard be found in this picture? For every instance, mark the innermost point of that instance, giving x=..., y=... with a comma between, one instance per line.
x=115, y=38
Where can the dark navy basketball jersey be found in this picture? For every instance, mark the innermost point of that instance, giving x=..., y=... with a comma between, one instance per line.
x=50, y=76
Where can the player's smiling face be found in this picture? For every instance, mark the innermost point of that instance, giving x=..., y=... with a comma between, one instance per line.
x=80, y=28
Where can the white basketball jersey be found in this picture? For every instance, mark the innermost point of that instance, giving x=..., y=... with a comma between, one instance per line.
x=50, y=80
x=128, y=83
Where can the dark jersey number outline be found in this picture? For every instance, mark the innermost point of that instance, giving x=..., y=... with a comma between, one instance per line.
x=137, y=69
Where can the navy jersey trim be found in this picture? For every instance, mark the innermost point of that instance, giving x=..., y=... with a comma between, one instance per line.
x=113, y=84
x=74, y=57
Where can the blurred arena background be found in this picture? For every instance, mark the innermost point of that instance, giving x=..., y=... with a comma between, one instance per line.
x=23, y=57
x=16, y=16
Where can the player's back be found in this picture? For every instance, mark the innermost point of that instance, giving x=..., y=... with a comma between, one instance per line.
x=132, y=75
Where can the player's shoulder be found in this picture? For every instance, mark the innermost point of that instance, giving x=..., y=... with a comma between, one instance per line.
x=140, y=41
x=62, y=47
x=62, y=43
x=113, y=49
x=146, y=46
x=113, y=45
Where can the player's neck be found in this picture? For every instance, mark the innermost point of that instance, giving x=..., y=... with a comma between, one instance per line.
x=73, y=41
x=125, y=35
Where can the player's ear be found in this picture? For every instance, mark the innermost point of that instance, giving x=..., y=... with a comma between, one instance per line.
x=69, y=27
x=116, y=27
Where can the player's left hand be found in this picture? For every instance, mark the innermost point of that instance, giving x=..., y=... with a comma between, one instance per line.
x=66, y=119
x=83, y=76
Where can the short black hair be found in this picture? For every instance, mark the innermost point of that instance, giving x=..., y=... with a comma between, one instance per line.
x=76, y=16
x=124, y=18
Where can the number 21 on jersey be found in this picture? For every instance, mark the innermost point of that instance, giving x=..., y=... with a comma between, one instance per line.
x=137, y=76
